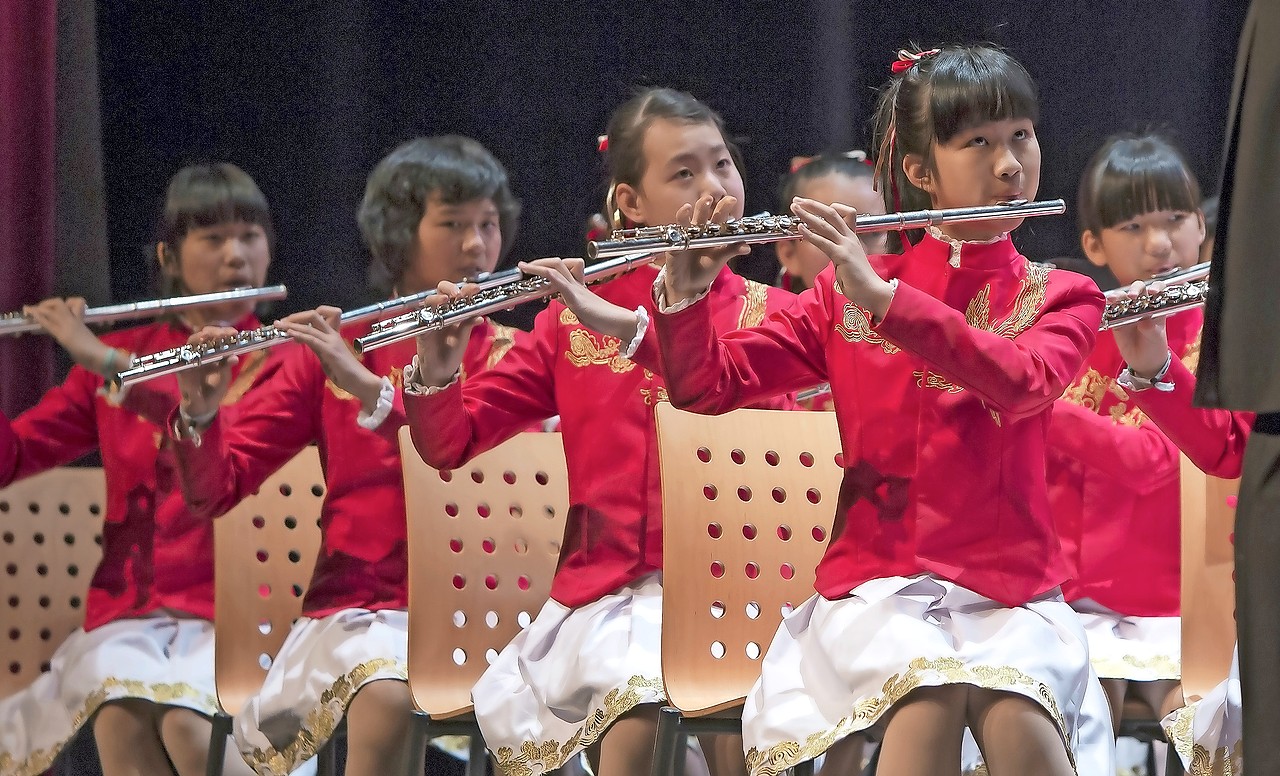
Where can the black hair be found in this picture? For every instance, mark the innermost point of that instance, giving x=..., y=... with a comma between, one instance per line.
x=203, y=195
x=936, y=98
x=627, y=127
x=1131, y=175
x=456, y=169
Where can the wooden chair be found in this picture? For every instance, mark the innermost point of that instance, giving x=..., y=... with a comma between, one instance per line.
x=50, y=544
x=484, y=541
x=1208, y=600
x=748, y=499
x=265, y=552
x=1208, y=581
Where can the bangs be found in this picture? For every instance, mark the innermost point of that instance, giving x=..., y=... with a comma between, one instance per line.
x=457, y=180
x=211, y=195
x=1133, y=176
x=971, y=87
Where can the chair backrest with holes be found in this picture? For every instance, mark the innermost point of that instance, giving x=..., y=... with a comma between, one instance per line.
x=748, y=499
x=265, y=551
x=50, y=544
x=484, y=541
x=1208, y=583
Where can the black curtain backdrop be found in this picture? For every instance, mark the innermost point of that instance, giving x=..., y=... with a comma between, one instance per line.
x=307, y=96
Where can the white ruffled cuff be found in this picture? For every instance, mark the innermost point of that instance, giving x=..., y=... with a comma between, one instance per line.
x=386, y=398
x=414, y=387
x=660, y=295
x=642, y=326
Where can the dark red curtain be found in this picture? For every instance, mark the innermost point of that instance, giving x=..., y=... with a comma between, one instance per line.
x=28, y=72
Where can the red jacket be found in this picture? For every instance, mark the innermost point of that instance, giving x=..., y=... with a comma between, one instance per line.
x=1212, y=439
x=1113, y=483
x=155, y=552
x=605, y=402
x=362, y=561
x=943, y=409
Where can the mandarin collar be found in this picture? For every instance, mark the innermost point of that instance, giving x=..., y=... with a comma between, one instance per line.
x=970, y=254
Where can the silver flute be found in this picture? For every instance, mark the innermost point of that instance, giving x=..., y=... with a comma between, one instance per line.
x=185, y=357
x=19, y=323
x=766, y=228
x=487, y=301
x=645, y=251
x=1184, y=289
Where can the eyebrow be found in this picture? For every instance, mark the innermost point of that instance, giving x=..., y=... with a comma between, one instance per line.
x=452, y=209
x=693, y=156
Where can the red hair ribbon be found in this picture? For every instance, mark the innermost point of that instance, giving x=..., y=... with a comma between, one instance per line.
x=907, y=59
x=602, y=143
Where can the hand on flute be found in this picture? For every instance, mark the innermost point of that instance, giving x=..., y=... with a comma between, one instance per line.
x=1144, y=345
x=830, y=228
x=597, y=314
x=63, y=319
x=203, y=387
x=318, y=329
x=440, y=352
x=690, y=273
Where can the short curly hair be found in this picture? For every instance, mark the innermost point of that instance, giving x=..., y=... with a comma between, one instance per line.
x=457, y=169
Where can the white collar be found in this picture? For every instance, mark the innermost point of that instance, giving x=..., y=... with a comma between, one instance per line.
x=956, y=245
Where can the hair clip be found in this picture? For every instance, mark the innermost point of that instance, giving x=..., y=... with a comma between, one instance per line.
x=602, y=143
x=858, y=156
x=906, y=59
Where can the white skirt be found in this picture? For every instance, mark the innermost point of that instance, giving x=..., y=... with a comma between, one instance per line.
x=1206, y=733
x=1139, y=649
x=837, y=666
x=163, y=659
x=317, y=672
x=559, y=684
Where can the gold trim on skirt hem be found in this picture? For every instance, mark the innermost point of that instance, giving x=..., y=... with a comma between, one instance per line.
x=323, y=720
x=948, y=670
x=111, y=689
x=535, y=758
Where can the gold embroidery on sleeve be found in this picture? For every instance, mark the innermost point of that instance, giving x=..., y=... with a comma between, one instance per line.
x=503, y=338
x=754, y=305
x=585, y=350
x=925, y=379
x=1191, y=357
x=856, y=327
x=253, y=364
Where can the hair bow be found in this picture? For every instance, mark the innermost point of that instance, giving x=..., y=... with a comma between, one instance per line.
x=906, y=59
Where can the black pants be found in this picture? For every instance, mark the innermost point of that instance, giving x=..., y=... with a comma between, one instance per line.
x=1258, y=596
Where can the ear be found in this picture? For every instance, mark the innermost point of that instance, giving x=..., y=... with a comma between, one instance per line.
x=917, y=172
x=628, y=200
x=166, y=258
x=1200, y=220
x=786, y=250
x=1091, y=243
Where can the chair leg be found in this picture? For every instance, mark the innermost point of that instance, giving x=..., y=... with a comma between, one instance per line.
x=478, y=756
x=665, y=747
x=327, y=762
x=218, y=734
x=1173, y=763
x=417, y=742
x=874, y=765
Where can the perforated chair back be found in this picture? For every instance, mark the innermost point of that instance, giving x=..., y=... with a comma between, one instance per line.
x=484, y=541
x=50, y=544
x=265, y=552
x=748, y=499
x=1208, y=586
